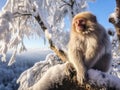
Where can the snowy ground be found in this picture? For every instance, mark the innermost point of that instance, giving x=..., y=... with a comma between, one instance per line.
x=9, y=74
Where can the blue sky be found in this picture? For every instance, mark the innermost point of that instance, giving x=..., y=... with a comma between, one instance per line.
x=2, y=2
x=101, y=8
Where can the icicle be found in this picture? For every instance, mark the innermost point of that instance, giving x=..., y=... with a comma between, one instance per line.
x=4, y=51
x=22, y=48
x=12, y=59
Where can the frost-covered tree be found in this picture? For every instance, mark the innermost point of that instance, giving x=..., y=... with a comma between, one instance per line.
x=25, y=18
x=50, y=19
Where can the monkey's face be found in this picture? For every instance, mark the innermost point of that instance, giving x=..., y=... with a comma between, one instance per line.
x=80, y=24
x=84, y=23
x=84, y=26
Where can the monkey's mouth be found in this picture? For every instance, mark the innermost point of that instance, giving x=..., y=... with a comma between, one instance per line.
x=82, y=24
x=82, y=27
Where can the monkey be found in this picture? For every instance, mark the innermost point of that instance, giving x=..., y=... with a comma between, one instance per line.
x=89, y=45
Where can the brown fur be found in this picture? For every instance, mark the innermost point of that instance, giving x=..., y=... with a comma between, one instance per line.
x=89, y=46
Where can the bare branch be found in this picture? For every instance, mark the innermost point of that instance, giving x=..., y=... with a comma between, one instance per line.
x=38, y=18
x=72, y=3
x=61, y=54
x=63, y=5
x=21, y=13
x=66, y=3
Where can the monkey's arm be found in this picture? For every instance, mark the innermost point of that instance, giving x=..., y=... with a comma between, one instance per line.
x=76, y=58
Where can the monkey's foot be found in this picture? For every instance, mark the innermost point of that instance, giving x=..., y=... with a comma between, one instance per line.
x=81, y=78
x=69, y=69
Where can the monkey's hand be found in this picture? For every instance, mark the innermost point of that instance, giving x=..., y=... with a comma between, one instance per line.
x=81, y=77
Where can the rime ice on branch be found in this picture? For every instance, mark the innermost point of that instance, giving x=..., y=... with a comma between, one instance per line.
x=51, y=75
x=27, y=18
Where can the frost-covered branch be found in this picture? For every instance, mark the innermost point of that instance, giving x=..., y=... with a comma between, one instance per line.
x=27, y=18
x=18, y=14
x=51, y=74
x=40, y=22
x=115, y=18
x=61, y=54
x=56, y=78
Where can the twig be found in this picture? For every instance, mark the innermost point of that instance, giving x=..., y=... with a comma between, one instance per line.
x=66, y=3
x=22, y=14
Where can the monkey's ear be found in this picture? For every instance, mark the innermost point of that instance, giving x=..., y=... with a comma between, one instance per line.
x=94, y=19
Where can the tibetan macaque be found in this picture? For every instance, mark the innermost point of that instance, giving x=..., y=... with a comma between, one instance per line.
x=89, y=45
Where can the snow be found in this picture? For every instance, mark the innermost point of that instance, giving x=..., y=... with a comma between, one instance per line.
x=54, y=74
x=10, y=74
x=18, y=21
x=114, y=15
x=29, y=77
x=103, y=79
x=45, y=73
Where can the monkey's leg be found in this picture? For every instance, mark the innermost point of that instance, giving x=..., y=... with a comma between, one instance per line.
x=103, y=63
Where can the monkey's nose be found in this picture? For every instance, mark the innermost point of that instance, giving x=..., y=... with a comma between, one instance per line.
x=82, y=22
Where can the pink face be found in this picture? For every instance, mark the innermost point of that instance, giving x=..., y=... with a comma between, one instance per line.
x=80, y=24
